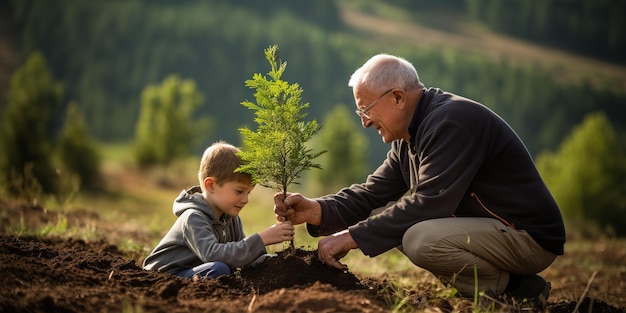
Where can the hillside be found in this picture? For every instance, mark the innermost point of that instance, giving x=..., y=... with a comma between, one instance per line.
x=446, y=30
x=105, y=55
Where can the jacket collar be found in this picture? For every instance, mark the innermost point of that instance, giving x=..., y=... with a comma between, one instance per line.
x=420, y=112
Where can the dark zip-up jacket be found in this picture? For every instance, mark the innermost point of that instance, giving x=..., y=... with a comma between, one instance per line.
x=462, y=160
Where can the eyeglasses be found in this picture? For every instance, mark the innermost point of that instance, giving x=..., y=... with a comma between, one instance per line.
x=362, y=113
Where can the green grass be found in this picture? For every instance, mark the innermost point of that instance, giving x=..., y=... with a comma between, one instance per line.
x=59, y=227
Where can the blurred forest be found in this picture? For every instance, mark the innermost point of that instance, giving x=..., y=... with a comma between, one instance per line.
x=105, y=53
x=169, y=78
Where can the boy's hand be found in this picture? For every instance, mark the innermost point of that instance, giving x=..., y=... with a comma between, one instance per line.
x=277, y=233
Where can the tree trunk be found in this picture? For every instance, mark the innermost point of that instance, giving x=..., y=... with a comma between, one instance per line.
x=292, y=246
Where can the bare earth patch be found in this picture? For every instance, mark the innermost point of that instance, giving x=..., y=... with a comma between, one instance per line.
x=61, y=274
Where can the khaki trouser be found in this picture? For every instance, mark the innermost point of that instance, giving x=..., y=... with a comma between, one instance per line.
x=450, y=248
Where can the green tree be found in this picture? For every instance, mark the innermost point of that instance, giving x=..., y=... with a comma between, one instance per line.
x=345, y=161
x=587, y=174
x=276, y=154
x=79, y=153
x=166, y=129
x=27, y=131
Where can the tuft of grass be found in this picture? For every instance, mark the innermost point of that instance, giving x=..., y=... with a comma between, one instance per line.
x=58, y=228
x=18, y=229
x=24, y=185
x=475, y=285
x=128, y=307
x=398, y=294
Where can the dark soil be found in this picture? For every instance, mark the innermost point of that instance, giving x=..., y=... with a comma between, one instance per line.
x=55, y=274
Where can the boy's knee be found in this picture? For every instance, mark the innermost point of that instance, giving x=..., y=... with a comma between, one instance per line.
x=214, y=269
x=219, y=269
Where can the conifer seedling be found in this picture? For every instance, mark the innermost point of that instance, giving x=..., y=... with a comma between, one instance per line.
x=276, y=153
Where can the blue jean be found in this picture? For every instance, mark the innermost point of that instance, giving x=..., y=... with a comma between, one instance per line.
x=206, y=270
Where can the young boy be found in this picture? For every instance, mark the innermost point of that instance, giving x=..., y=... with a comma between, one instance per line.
x=207, y=239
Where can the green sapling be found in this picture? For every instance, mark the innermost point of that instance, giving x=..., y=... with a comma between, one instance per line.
x=276, y=153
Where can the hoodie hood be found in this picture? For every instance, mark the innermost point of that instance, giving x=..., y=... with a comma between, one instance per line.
x=192, y=199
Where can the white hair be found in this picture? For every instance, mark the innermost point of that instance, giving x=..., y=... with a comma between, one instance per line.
x=384, y=71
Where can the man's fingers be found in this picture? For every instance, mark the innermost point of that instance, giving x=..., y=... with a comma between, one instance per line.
x=279, y=201
x=330, y=260
x=336, y=264
x=292, y=198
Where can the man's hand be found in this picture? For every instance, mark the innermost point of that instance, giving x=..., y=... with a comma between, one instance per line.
x=335, y=247
x=297, y=209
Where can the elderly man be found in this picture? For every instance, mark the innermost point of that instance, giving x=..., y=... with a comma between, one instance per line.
x=458, y=191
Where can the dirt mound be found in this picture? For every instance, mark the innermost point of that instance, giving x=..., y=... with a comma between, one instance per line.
x=298, y=268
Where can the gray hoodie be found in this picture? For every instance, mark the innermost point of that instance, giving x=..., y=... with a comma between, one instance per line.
x=198, y=236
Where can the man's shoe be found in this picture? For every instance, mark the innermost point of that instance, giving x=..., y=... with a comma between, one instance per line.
x=533, y=292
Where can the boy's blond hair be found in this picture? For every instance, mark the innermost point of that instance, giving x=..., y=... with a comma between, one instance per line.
x=220, y=160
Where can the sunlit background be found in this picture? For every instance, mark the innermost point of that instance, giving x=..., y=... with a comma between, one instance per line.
x=105, y=104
